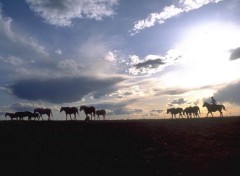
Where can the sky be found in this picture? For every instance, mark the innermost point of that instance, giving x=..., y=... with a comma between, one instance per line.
x=133, y=58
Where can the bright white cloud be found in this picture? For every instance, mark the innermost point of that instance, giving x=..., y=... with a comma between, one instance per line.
x=110, y=56
x=62, y=12
x=169, y=12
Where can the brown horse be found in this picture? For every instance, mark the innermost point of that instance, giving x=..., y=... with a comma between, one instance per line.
x=175, y=111
x=195, y=110
x=101, y=112
x=213, y=108
x=88, y=110
x=43, y=111
x=70, y=110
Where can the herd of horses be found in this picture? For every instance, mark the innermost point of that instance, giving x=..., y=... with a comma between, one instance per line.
x=38, y=113
x=194, y=111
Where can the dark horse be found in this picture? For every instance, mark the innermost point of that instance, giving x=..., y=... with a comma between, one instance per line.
x=213, y=108
x=175, y=111
x=70, y=110
x=31, y=115
x=20, y=115
x=43, y=111
x=101, y=112
x=195, y=110
x=88, y=110
x=11, y=115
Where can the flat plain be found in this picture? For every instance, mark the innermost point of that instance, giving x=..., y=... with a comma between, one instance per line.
x=205, y=146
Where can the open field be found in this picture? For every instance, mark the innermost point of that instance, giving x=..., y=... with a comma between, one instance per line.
x=207, y=146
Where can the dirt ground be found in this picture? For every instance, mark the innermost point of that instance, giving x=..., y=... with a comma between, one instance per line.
x=207, y=146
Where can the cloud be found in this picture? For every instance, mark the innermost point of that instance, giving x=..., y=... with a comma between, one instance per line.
x=235, y=54
x=58, y=51
x=230, y=93
x=179, y=101
x=119, y=108
x=16, y=42
x=22, y=106
x=156, y=112
x=148, y=65
x=110, y=56
x=169, y=12
x=12, y=60
x=62, y=12
x=63, y=90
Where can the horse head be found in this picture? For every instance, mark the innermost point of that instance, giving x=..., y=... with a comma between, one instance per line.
x=82, y=107
x=168, y=110
x=205, y=104
x=62, y=108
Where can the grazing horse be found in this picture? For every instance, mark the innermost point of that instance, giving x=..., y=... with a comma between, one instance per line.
x=88, y=110
x=213, y=108
x=195, y=110
x=43, y=111
x=101, y=112
x=69, y=110
x=11, y=115
x=175, y=111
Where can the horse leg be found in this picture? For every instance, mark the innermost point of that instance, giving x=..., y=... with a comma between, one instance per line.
x=221, y=114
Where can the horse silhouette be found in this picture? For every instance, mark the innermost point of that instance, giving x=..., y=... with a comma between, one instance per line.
x=213, y=108
x=175, y=111
x=21, y=115
x=70, y=110
x=11, y=115
x=195, y=110
x=101, y=112
x=88, y=110
x=31, y=115
x=43, y=111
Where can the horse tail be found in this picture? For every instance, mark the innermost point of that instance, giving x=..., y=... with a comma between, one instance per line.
x=224, y=108
x=51, y=113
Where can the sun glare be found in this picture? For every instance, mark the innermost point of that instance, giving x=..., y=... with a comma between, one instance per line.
x=205, y=57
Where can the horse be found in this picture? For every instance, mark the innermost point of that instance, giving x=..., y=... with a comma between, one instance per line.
x=191, y=110
x=69, y=110
x=213, y=108
x=88, y=110
x=43, y=111
x=101, y=112
x=11, y=115
x=31, y=115
x=175, y=111
x=21, y=115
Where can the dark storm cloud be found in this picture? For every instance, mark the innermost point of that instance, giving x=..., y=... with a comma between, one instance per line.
x=235, y=54
x=63, y=90
x=230, y=93
x=149, y=64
